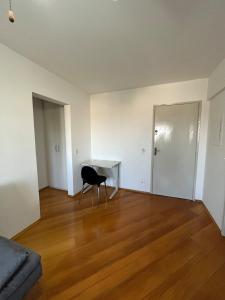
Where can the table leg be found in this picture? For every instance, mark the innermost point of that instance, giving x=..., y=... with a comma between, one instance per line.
x=116, y=177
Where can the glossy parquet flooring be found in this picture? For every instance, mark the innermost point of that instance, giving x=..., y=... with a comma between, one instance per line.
x=136, y=246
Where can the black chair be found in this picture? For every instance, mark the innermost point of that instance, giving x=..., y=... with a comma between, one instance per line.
x=91, y=177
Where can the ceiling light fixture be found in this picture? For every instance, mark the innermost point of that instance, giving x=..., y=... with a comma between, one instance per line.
x=11, y=15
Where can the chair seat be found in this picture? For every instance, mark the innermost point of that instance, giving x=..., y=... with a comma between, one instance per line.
x=91, y=177
x=97, y=180
x=101, y=179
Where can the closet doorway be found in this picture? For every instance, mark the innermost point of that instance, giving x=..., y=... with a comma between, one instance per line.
x=50, y=141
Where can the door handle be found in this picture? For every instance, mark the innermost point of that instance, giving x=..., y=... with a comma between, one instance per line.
x=156, y=151
x=57, y=148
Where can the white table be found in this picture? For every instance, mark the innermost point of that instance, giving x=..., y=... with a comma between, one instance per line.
x=106, y=164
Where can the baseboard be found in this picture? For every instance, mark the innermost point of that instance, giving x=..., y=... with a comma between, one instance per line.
x=53, y=188
x=45, y=188
x=26, y=229
x=70, y=196
x=120, y=189
x=208, y=213
x=135, y=191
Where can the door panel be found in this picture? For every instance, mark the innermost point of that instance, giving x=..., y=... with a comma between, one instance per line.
x=55, y=140
x=175, y=142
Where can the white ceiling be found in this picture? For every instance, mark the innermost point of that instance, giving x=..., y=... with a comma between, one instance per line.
x=102, y=45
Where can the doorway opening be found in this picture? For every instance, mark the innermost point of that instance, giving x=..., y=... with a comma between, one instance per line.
x=175, y=148
x=52, y=126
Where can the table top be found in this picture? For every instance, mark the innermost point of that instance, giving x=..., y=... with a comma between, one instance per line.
x=107, y=164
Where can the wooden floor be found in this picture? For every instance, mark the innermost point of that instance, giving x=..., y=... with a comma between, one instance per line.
x=135, y=247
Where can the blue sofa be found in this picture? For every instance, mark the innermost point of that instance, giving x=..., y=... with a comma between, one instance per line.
x=20, y=268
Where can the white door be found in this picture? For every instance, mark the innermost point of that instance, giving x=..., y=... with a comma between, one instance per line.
x=55, y=141
x=175, y=145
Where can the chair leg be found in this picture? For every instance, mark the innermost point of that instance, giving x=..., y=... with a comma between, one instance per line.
x=106, y=194
x=98, y=191
x=81, y=198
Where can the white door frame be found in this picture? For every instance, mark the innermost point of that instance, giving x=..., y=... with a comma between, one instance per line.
x=68, y=138
x=197, y=145
x=223, y=221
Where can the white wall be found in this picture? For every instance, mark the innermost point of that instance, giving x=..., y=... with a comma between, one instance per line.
x=40, y=142
x=214, y=193
x=217, y=80
x=19, y=77
x=122, y=124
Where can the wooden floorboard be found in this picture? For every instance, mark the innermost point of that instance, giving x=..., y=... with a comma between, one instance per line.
x=136, y=246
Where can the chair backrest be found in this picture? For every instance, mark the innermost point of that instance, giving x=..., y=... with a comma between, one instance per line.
x=89, y=175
